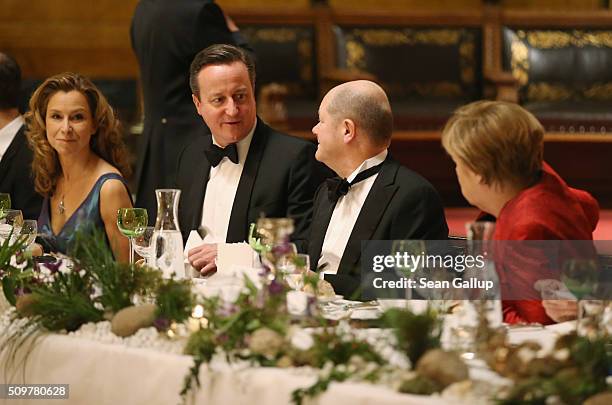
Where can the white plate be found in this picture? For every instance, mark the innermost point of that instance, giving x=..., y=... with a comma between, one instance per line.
x=325, y=300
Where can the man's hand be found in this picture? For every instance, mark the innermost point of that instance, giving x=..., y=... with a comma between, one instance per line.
x=203, y=257
x=561, y=310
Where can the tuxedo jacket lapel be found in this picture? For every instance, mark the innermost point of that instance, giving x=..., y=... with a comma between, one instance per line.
x=238, y=224
x=320, y=221
x=373, y=209
x=16, y=144
x=195, y=199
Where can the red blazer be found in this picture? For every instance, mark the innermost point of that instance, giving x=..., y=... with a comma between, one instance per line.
x=549, y=210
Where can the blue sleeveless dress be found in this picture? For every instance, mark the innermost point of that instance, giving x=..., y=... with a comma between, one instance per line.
x=86, y=218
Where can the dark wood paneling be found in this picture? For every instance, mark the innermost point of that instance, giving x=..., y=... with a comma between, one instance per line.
x=584, y=161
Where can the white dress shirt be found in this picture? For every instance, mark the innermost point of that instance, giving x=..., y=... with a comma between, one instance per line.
x=220, y=192
x=345, y=215
x=8, y=132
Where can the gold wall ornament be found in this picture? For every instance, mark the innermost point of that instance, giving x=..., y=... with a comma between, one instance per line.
x=277, y=35
x=381, y=37
x=467, y=59
x=550, y=39
x=554, y=39
x=359, y=43
x=305, y=58
x=355, y=54
x=519, y=63
x=407, y=36
x=444, y=37
x=598, y=39
x=548, y=92
x=601, y=91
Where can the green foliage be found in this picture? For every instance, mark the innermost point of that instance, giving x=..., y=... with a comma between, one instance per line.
x=174, y=300
x=65, y=303
x=420, y=385
x=118, y=282
x=337, y=348
x=415, y=333
x=298, y=396
x=13, y=277
x=583, y=375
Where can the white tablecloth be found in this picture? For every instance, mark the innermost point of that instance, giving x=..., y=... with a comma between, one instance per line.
x=107, y=374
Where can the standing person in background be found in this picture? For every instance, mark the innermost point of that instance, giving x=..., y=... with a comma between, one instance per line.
x=15, y=156
x=166, y=36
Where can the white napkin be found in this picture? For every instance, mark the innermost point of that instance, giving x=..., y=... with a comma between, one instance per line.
x=230, y=255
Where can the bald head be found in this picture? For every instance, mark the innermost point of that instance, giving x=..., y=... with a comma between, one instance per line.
x=366, y=104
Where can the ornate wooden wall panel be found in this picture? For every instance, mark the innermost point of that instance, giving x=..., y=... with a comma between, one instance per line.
x=90, y=37
x=405, y=4
x=558, y=5
x=267, y=4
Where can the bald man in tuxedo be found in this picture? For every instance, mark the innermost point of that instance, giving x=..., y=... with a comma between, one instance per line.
x=373, y=197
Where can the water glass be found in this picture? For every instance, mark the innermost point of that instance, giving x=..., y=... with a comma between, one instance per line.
x=408, y=268
x=29, y=229
x=143, y=245
x=10, y=224
x=5, y=203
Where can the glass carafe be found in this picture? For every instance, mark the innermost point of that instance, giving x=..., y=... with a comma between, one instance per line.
x=167, y=245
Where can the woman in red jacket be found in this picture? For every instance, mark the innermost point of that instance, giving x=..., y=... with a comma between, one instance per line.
x=497, y=148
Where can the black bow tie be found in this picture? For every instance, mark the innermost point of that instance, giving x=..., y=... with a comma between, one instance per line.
x=337, y=186
x=215, y=154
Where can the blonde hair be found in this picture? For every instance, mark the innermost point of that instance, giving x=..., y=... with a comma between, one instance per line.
x=502, y=142
x=106, y=142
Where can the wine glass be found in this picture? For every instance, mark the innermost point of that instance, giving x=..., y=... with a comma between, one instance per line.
x=142, y=244
x=5, y=203
x=295, y=269
x=131, y=223
x=408, y=263
x=580, y=276
x=29, y=229
x=10, y=224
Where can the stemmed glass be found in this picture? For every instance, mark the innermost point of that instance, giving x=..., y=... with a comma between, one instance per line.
x=10, y=224
x=293, y=268
x=580, y=276
x=5, y=203
x=407, y=267
x=142, y=244
x=132, y=223
x=29, y=229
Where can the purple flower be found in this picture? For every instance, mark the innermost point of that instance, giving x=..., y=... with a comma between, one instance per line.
x=311, y=306
x=222, y=338
x=161, y=324
x=227, y=309
x=275, y=287
x=53, y=266
x=260, y=300
x=283, y=248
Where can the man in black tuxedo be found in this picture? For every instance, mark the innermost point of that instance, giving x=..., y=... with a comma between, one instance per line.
x=374, y=197
x=15, y=155
x=242, y=168
x=166, y=35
